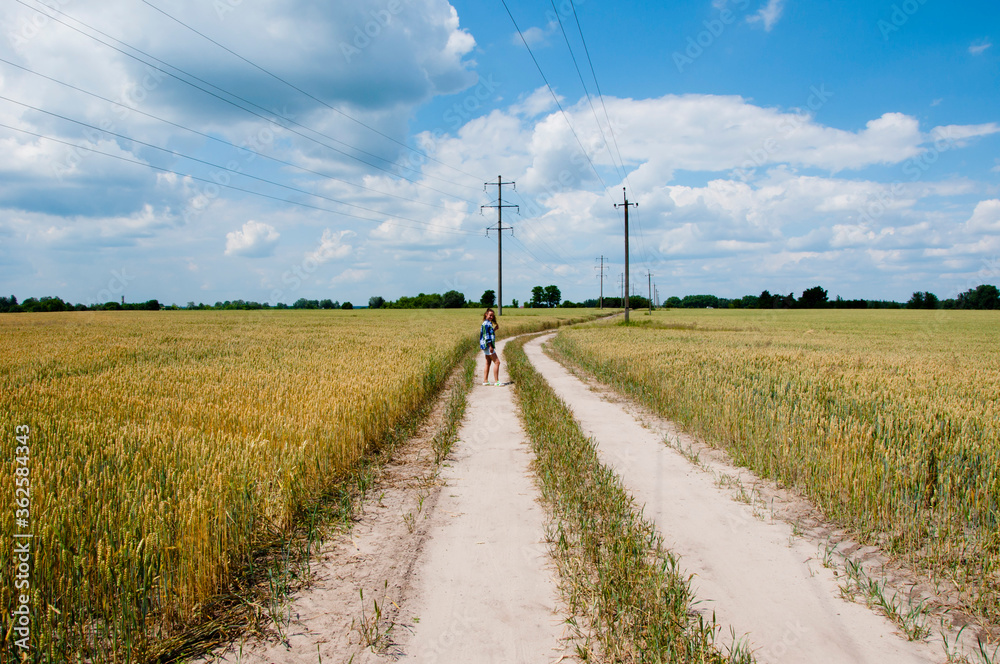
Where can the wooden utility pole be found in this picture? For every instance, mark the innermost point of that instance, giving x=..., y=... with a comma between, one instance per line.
x=649, y=285
x=499, y=229
x=625, y=205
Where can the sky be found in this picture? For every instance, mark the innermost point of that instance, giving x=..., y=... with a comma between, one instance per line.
x=271, y=150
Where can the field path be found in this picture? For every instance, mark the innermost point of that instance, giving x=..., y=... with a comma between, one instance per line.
x=484, y=589
x=753, y=573
x=456, y=561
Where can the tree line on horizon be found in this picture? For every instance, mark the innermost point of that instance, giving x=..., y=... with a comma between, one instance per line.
x=982, y=297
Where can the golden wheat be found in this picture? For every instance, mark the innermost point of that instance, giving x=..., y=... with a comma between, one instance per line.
x=165, y=445
x=889, y=420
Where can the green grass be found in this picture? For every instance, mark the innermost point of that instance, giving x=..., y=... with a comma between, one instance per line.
x=633, y=602
x=888, y=420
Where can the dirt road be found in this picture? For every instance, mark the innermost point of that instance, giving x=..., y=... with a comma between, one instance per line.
x=455, y=560
x=484, y=590
x=761, y=581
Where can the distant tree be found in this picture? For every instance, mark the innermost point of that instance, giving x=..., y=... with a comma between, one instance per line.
x=638, y=302
x=47, y=303
x=700, y=301
x=916, y=301
x=7, y=304
x=672, y=301
x=749, y=302
x=765, y=300
x=347, y=305
x=931, y=301
x=985, y=296
x=813, y=298
x=841, y=303
x=326, y=304
x=428, y=301
x=514, y=303
x=376, y=302
x=489, y=298
x=453, y=300
x=537, y=296
x=552, y=296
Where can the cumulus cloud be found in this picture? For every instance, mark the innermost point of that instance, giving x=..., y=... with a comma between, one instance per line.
x=730, y=190
x=254, y=240
x=331, y=246
x=722, y=133
x=986, y=217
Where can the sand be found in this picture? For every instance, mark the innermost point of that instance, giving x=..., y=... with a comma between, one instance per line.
x=456, y=556
x=765, y=585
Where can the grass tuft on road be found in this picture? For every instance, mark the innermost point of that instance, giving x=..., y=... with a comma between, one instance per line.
x=634, y=602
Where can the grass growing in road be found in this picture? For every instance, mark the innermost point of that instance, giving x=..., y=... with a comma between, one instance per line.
x=615, y=570
x=888, y=420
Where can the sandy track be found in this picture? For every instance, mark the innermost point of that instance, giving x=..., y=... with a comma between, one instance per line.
x=456, y=560
x=485, y=590
x=756, y=577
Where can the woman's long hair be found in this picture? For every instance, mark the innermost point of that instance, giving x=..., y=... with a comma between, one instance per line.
x=496, y=325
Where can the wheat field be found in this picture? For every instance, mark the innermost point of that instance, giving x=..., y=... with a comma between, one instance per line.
x=165, y=445
x=888, y=420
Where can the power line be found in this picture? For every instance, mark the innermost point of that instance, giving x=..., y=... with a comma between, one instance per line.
x=585, y=91
x=545, y=246
x=196, y=159
x=245, y=101
x=235, y=188
x=597, y=83
x=307, y=94
x=556, y=99
x=611, y=130
x=537, y=260
x=211, y=138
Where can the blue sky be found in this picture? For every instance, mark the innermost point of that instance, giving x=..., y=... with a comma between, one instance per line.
x=771, y=144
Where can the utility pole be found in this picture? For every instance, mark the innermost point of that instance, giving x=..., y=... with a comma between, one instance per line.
x=626, y=205
x=499, y=229
x=649, y=285
x=601, y=277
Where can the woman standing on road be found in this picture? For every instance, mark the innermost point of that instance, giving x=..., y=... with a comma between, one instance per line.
x=487, y=342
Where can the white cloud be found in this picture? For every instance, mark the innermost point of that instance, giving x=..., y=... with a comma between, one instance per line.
x=961, y=133
x=535, y=36
x=331, y=246
x=979, y=47
x=350, y=276
x=768, y=14
x=254, y=240
x=536, y=103
x=985, y=218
